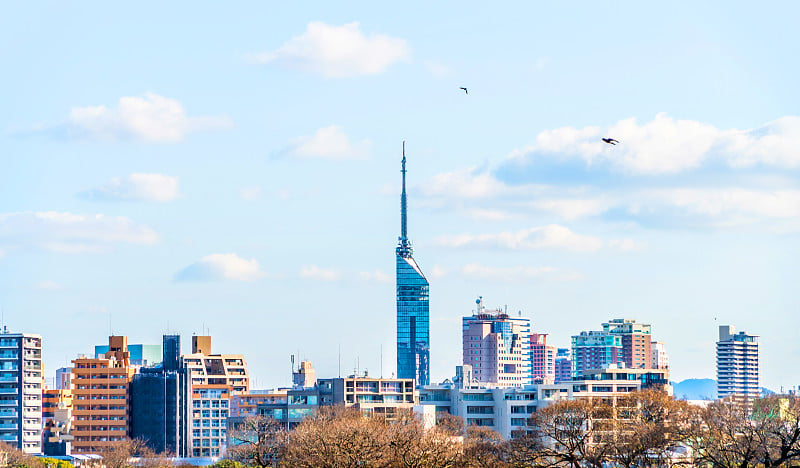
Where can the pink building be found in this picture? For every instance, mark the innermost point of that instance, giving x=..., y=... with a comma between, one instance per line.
x=543, y=357
x=497, y=346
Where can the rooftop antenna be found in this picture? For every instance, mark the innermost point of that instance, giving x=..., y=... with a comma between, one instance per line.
x=292, y=359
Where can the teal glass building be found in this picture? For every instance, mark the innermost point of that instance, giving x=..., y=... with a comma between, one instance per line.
x=413, y=323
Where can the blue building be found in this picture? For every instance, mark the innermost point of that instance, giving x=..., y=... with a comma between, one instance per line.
x=413, y=327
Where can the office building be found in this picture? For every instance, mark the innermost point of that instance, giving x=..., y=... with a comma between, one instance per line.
x=636, y=341
x=141, y=354
x=563, y=365
x=543, y=359
x=508, y=409
x=596, y=350
x=21, y=385
x=157, y=401
x=497, y=346
x=737, y=365
x=209, y=382
x=413, y=316
x=100, y=401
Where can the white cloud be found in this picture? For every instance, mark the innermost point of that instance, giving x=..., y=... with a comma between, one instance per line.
x=48, y=285
x=437, y=271
x=149, y=118
x=378, y=276
x=316, y=273
x=472, y=183
x=329, y=143
x=336, y=51
x=250, y=193
x=552, y=236
x=137, y=187
x=626, y=245
x=666, y=145
x=516, y=273
x=71, y=233
x=218, y=267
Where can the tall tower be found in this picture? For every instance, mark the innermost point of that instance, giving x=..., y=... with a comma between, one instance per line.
x=413, y=328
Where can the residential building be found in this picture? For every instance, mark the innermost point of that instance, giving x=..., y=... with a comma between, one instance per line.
x=100, y=401
x=659, y=357
x=247, y=404
x=636, y=341
x=157, y=404
x=596, y=350
x=497, y=346
x=141, y=354
x=53, y=399
x=737, y=365
x=543, y=359
x=563, y=365
x=413, y=315
x=209, y=383
x=21, y=385
x=57, y=416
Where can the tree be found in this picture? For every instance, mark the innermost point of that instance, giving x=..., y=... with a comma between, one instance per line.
x=573, y=433
x=484, y=448
x=338, y=437
x=12, y=457
x=258, y=441
x=412, y=446
x=725, y=436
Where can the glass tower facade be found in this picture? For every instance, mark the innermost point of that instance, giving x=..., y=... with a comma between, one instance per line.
x=413, y=324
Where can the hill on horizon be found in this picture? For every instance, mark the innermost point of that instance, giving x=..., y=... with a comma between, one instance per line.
x=695, y=389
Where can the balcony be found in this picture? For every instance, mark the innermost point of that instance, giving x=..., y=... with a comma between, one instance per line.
x=8, y=426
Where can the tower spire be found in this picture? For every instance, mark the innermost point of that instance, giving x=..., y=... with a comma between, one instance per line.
x=404, y=246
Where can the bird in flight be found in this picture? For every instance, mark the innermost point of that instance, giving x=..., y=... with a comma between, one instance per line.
x=465, y=90
x=611, y=141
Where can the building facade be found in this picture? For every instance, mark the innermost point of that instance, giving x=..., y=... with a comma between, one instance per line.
x=497, y=346
x=209, y=382
x=413, y=314
x=157, y=401
x=636, y=339
x=21, y=385
x=737, y=365
x=563, y=365
x=659, y=357
x=543, y=359
x=101, y=410
x=595, y=350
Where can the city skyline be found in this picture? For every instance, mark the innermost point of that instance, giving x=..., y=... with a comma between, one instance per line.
x=243, y=183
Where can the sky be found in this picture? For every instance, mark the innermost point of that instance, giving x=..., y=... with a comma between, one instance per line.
x=234, y=170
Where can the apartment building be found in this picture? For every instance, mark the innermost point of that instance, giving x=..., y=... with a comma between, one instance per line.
x=210, y=381
x=737, y=365
x=543, y=359
x=636, y=339
x=21, y=385
x=100, y=398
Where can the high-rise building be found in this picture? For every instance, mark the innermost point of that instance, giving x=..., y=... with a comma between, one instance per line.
x=596, y=350
x=497, y=346
x=635, y=341
x=100, y=401
x=157, y=401
x=209, y=382
x=563, y=365
x=21, y=385
x=413, y=327
x=737, y=365
x=659, y=357
x=543, y=359
x=63, y=378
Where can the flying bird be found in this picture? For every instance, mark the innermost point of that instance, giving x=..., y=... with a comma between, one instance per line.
x=465, y=90
x=610, y=141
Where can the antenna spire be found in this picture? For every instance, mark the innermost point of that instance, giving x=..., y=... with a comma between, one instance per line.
x=404, y=246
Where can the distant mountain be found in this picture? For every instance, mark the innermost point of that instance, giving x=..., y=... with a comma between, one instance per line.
x=695, y=389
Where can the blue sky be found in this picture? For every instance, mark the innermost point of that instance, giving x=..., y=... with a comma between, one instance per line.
x=184, y=167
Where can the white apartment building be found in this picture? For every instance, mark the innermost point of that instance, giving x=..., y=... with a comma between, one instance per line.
x=737, y=365
x=21, y=383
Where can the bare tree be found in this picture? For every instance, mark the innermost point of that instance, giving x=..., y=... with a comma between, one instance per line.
x=484, y=448
x=412, y=446
x=12, y=457
x=258, y=441
x=119, y=454
x=338, y=437
x=573, y=433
